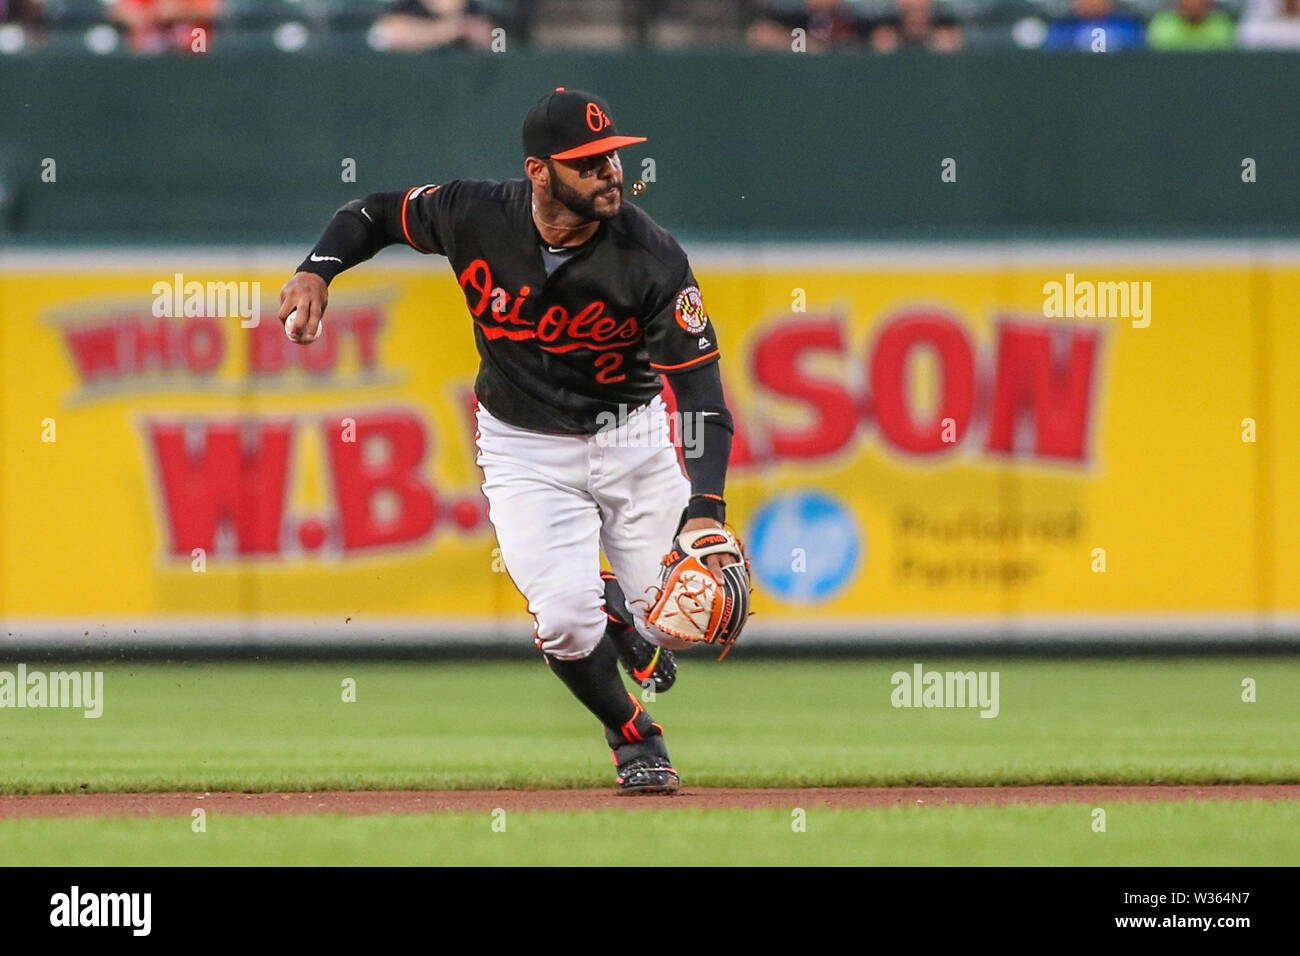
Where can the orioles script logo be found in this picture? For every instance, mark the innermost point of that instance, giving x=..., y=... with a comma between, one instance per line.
x=555, y=331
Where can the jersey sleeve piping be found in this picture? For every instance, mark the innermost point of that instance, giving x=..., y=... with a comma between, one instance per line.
x=694, y=361
x=405, y=230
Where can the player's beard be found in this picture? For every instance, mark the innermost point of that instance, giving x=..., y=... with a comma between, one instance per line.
x=581, y=204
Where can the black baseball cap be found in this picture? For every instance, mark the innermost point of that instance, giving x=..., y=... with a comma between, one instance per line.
x=568, y=124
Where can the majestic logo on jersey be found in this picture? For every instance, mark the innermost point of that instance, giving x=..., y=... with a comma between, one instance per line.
x=497, y=313
x=690, y=310
x=596, y=118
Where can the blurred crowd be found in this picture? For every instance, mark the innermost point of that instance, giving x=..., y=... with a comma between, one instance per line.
x=797, y=26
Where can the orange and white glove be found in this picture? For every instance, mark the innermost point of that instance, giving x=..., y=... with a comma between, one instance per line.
x=692, y=603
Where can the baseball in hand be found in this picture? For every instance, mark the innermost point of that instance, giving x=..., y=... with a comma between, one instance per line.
x=292, y=330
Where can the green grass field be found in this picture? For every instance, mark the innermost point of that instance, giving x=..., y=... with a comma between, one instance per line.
x=1165, y=834
x=285, y=726
x=253, y=726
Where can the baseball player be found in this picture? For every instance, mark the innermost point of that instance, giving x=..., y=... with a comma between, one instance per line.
x=579, y=302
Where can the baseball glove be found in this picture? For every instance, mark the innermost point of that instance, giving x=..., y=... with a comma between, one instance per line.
x=691, y=603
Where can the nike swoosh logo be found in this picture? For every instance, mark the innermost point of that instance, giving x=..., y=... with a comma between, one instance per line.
x=316, y=258
x=556, y=248
x=649, y=670
x=366, y=214
x=710, y=413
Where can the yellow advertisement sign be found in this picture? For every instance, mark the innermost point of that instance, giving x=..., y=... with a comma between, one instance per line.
x=944, y=444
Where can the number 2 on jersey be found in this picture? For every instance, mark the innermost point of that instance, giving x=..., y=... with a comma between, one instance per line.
x=608, y=363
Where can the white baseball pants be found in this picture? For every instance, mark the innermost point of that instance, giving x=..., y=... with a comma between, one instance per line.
x=557, y=500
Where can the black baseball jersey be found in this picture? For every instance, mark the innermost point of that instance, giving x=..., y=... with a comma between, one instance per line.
x=557, y=350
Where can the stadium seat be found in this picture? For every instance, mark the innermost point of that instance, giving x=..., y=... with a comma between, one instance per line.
x=988, y=36
x=74, y=13
x=348, y=15
x=1047, y=10
x=254, y=14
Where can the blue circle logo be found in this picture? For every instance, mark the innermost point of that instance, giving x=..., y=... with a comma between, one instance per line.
x=804, y=546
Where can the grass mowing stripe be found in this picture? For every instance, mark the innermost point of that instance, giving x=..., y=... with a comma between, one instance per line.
x=1137, y=834
x=429, y=725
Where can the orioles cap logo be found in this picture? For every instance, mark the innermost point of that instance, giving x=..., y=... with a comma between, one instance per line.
x=596, y=118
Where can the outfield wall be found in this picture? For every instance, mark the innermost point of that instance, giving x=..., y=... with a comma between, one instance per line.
x=922, y=454
x=238, y=147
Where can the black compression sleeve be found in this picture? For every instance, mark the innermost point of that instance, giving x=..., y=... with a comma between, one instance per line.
x=706, y=429
x=358, y=230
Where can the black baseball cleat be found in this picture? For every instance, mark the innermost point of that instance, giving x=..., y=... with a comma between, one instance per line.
x=642, y=660
x=647, y=774
x=640, y=754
